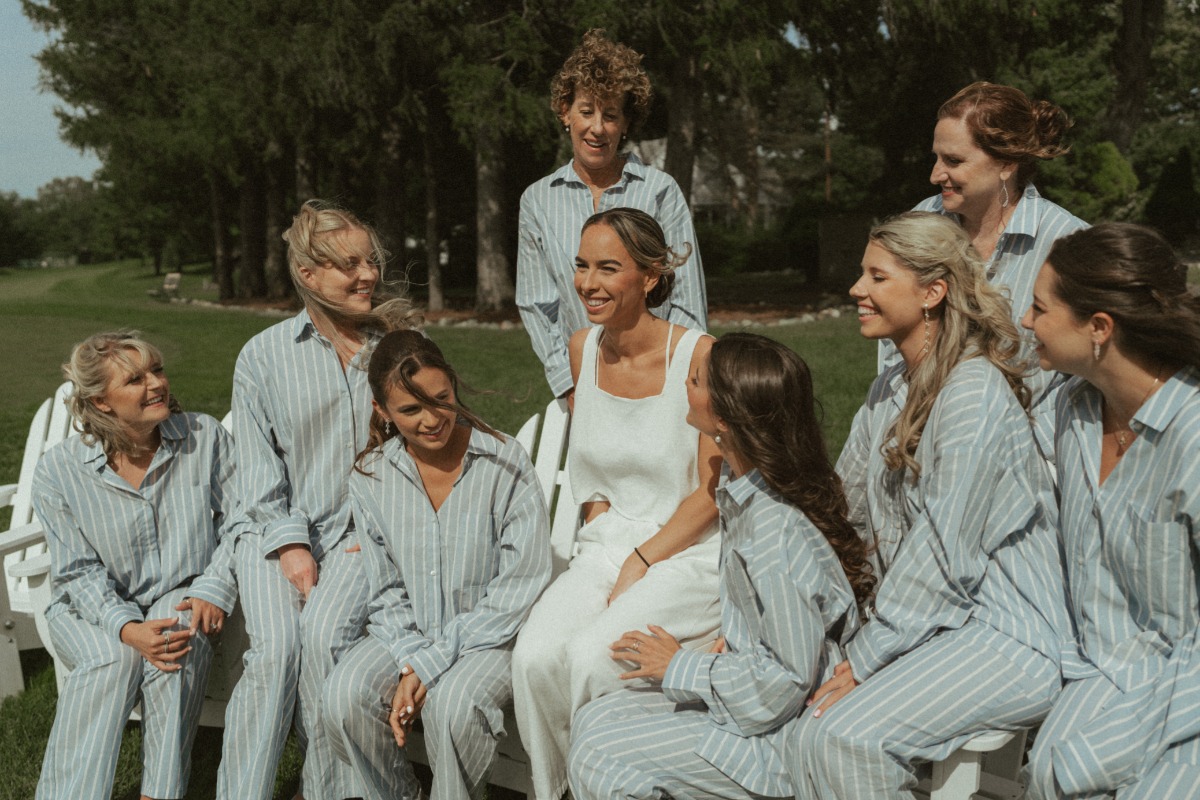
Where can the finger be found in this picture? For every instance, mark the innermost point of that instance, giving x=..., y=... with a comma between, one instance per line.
x=186, y=605
x=831, y=699
x=354, y=548
x=174, y=655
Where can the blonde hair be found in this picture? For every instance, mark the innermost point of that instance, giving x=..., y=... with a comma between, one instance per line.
x=89, y=370
x=316, y=241
x=975, y=320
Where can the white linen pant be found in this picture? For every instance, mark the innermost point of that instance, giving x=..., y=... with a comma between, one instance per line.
x=562, y=658
x=923, y=706
x=638, y=744
x=292, y=644
x=97, y=697
x=1176, y=775
x=462, y=720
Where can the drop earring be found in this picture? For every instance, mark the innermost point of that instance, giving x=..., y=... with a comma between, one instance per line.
x=387, y=427
x=717, y=439
x=925, y=313
x=1004, y=198
x=1096, y=351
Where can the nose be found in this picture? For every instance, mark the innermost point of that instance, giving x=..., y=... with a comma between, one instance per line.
x=856, y=291
x=156, y=380
x=429, y=418
x=938, y=173
x=1027, y=319
x=585, y=280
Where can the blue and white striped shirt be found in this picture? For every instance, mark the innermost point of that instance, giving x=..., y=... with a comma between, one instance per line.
x=1014, y=265
x=974, y=537
x=299, y=420
x=553, y=211
x=114, y=549
x=786, y=609
x=460, y=579
x=1133, y=546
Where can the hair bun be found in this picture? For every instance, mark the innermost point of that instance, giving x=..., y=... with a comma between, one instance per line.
x=1050, y=124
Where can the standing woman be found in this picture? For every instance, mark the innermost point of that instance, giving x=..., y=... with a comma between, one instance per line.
x=645, y=479
x=141, y=569
x=301, y=408
x=793, y=574
x=986, y=147
x=1111, y=306
x=600, y=95
x=944, y=479
x=456, y=540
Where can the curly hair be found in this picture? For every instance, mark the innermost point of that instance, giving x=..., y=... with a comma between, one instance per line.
x=1008, y=126
x=316, y=240
x=603, y=69
x=1131, y=273
x=396, y=358
x=89, y=370
x=974, y=319
x=763, y=391
x=644, y=240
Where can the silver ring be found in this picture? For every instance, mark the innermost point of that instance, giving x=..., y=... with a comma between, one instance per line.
x=167, y=636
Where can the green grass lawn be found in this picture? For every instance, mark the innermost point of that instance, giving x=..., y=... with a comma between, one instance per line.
x=44, y=312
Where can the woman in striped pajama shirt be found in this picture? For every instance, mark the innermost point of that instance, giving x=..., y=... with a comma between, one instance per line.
x=1111, y=307
x=134, y=511
x=945, y=481
x=456, y=540
x=793, y=574
x=301, y=408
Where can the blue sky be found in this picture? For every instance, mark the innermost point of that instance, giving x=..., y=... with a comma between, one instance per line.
x=31, y=152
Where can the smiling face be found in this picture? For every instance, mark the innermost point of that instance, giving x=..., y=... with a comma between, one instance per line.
x=596, y=127
x=425, y=428
x=891, y=301
x=349, y=287
x=607, y=279
x=1064, y=342
x=139, y=399
x=969, y=178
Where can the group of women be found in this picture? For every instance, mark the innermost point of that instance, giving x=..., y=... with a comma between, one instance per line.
x=996, y=547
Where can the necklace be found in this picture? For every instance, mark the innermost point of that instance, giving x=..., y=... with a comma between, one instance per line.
x=1122, y=441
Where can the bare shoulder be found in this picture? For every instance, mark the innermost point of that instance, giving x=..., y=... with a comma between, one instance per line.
x=703, y=348
x=575, y=350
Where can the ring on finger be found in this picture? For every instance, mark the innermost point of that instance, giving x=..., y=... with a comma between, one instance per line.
x=167, y=636
x=636, y=646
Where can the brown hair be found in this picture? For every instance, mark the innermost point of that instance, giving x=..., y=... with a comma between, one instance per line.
x=315, y=241
x=1132, y=274
x=605, y=70
x=975, y=319
x=644, y=240
x=763, y=391
x=89, y=370
x=397, y=357
x=1008, y=126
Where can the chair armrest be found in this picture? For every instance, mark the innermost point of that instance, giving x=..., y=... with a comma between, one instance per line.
x=31, y=567
x=7, y=492
x=20, y=537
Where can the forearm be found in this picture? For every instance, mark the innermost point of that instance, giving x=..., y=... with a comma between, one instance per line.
x=694, y=517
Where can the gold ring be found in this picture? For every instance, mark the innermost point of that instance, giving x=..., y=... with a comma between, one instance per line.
x=636, y=647
x=167, y=636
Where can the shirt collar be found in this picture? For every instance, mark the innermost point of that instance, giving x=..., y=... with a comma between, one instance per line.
x=173, y=429
x=302, y=325
x=1157, y=412
x=635, y=169
x=480, y=445
x=740, y=490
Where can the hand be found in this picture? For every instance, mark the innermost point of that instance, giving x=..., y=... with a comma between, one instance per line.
x=158, y=645
x=407, y=703
x=632, y=571
x=299, y=567
x=206, y=617
x=718, y=646
x=652, y=652
x=833, y=689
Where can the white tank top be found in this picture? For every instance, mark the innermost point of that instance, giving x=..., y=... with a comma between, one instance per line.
x=639, y=455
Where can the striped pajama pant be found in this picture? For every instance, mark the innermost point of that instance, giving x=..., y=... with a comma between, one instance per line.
x=921, y=707
x=106, y=680
x=1176, y=775
x=638, y=744
x=294, y=645
x=462, y=720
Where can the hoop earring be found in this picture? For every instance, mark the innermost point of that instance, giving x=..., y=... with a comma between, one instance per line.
x=1004, y=200
x=1096, y=351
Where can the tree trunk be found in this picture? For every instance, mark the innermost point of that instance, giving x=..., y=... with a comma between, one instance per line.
x=433, y=241
x=1141, y=22
x=494, y=286
x=388, y=214
x=252, y=223
x=279, y=281
x=222, y=244
x=681, y=123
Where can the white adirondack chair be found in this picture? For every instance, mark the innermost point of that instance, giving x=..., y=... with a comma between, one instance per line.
x=24, y=541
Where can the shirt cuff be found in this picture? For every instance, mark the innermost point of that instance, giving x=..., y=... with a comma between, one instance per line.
x=429, y=663
x=214, y=591
x=290, y=530
x=687, y=676
x=864, y=661
x=560, y=380
x=118, y=617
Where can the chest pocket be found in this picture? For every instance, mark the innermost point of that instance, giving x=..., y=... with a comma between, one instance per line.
x=1162, y=584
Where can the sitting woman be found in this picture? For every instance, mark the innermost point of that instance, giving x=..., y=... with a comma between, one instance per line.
x=944, y=479
x=456, y=543
x=793, y=575
x=645, y=479
x=1111, y=306
x=134, y=510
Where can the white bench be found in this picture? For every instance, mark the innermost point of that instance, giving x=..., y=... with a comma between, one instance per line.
x=986, y=767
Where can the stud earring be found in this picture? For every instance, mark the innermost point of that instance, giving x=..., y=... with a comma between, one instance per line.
x=717, y=439
x=566, y=128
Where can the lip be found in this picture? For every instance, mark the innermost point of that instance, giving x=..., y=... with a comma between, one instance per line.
x=600, y=304
x=867, y=312
x=436, y=433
